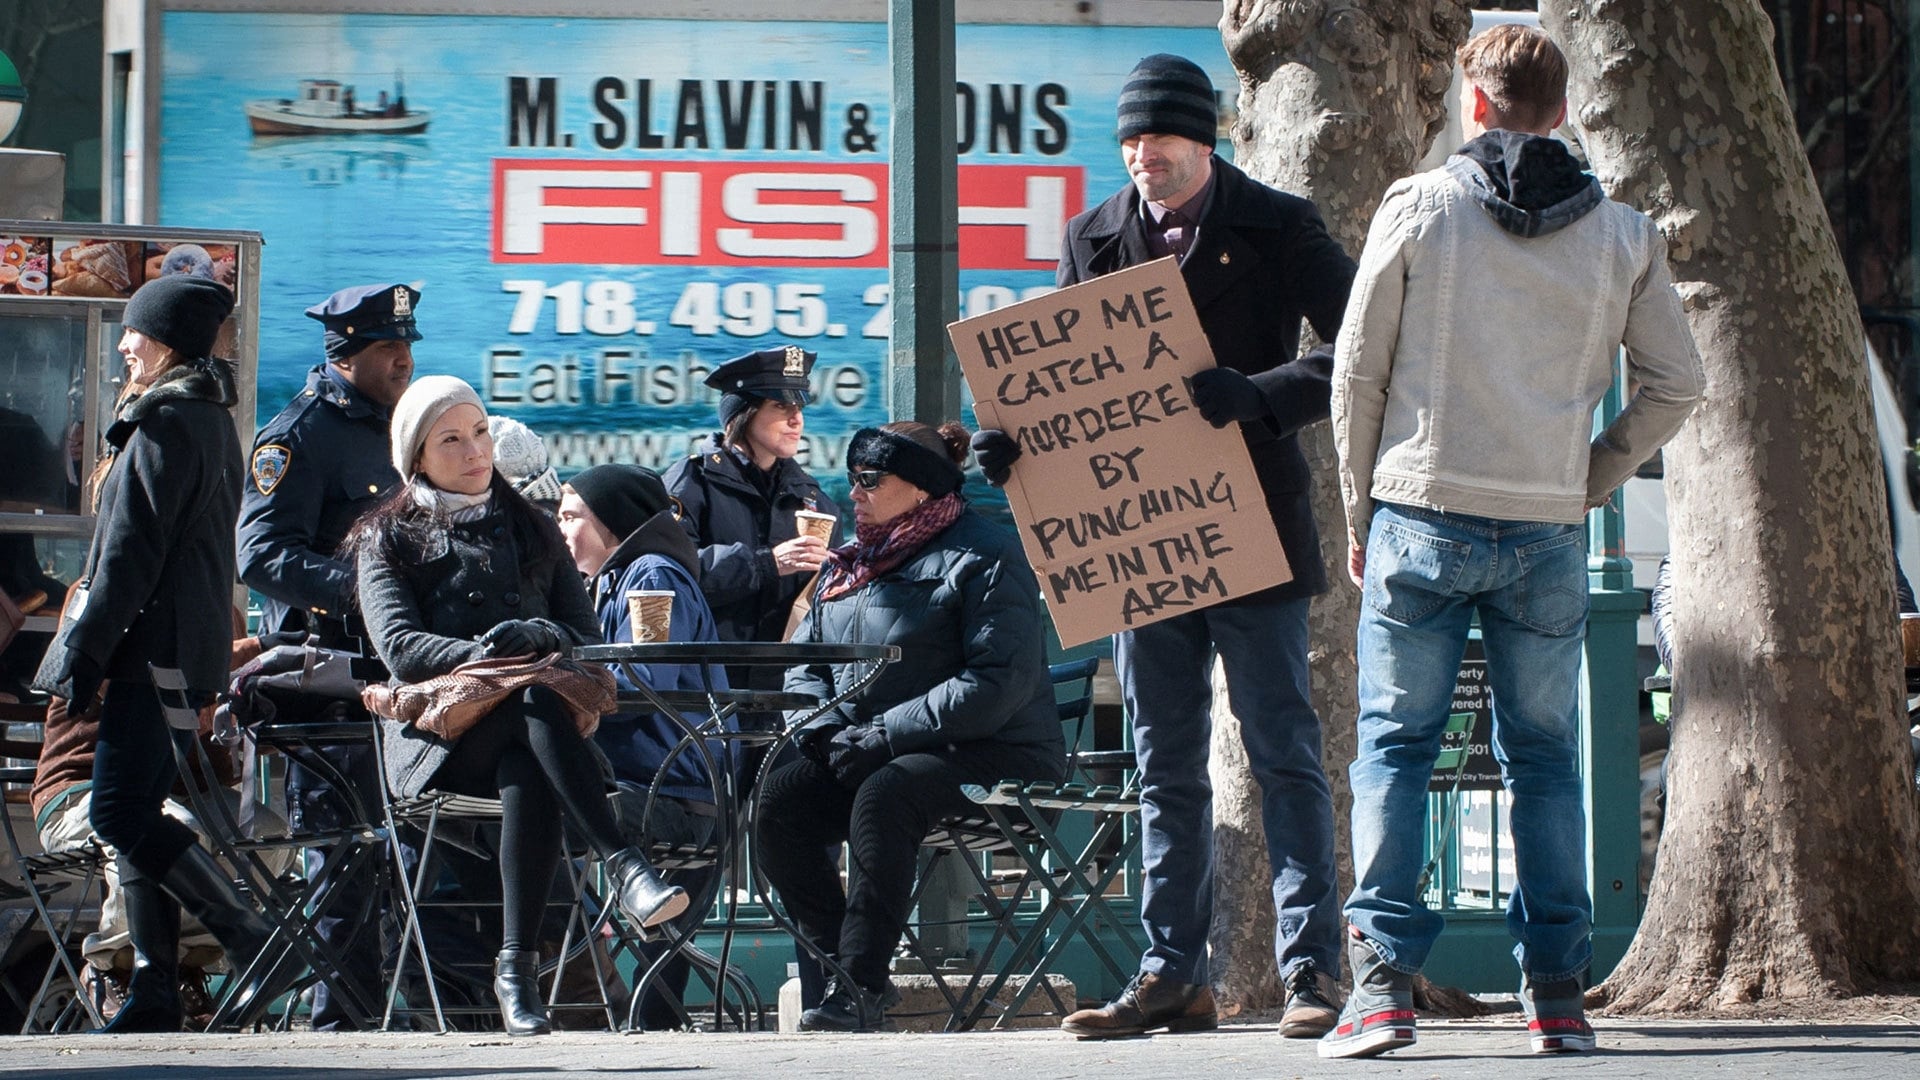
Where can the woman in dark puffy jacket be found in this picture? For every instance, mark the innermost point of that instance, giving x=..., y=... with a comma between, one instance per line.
x=969, y=702
x=456, y=566
x=166, y=496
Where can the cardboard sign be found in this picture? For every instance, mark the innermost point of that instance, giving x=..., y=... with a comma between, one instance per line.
x=1131, y=507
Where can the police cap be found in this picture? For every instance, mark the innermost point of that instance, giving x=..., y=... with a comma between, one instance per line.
x=358, y=316
x=773, y=374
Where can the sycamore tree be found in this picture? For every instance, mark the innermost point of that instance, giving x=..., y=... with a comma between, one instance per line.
x=1787, y=871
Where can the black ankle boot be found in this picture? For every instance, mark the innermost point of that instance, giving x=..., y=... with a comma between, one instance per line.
x=516, y=984
x=849, y=1006
x=206, y=890
x=645, y=898
x=153, y=1004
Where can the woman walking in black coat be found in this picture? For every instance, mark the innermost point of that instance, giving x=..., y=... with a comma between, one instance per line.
x=166, y=496
x=968, y=703
x=456, y=566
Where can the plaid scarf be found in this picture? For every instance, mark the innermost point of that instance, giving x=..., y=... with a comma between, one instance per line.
x=877, y=549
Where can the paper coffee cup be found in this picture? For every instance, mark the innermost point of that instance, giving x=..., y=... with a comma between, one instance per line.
x=814, y=523
x=1910, y=639
x=652, y=613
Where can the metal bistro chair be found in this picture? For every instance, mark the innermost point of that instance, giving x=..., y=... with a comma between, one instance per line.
x=721, y=977
x=444, y=819
x=293, y=905
x=1066, y=876
x=65, y=888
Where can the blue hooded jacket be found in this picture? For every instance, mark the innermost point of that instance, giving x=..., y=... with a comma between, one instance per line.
x=658, y=555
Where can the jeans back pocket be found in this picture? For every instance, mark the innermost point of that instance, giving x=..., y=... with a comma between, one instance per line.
x=1551, y=594
x=1411, y=573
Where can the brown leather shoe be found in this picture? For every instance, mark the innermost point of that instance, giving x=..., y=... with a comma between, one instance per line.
x=1149, y=1003
x=1310, y=1009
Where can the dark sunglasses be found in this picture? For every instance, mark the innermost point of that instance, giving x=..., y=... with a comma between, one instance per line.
x=866, y=478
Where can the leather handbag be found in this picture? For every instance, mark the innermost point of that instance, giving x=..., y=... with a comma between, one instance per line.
x=421, y=721
x=11, y=620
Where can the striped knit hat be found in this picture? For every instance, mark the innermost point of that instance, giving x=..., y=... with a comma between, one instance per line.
x=1168, y=95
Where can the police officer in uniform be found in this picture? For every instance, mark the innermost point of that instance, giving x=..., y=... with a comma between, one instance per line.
x=738, y=495
x=324, y=461
x=739, y=492
x=315, y=469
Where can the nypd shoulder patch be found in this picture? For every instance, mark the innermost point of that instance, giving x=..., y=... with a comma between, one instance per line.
x=269, y=466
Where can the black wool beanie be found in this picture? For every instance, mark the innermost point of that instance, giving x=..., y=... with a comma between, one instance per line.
x=1168, y=95
x=181, y=312
x=623, y=497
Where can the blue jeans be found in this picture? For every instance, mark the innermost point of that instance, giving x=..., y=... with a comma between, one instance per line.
x=1165, y=678
x=1427, y=573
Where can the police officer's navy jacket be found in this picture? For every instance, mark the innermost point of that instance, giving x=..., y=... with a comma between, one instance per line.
x=315, y=469
x=736, y=525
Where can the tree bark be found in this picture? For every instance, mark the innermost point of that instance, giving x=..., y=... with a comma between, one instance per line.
x=1788, y=867
x=1338, y=99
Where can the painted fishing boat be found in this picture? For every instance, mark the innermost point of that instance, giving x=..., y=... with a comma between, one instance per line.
x=328, y=107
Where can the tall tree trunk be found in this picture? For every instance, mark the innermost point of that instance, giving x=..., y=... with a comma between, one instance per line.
x=1338, y=99
x=1788, y=868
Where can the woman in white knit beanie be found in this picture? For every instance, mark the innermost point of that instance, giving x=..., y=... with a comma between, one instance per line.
x=455, y=567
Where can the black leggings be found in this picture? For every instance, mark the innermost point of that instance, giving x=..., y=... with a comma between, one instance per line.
x=528, y=753
x=804, y=811
x=133, y=772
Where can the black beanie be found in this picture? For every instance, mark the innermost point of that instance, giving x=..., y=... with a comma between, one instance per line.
x=1168, y=95
x=623, y=497
x=181, y=312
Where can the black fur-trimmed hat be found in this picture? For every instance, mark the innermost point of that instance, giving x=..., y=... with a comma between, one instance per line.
x=890, y=452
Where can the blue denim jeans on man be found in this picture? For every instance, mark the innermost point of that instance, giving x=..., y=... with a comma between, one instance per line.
x=1165, y=672
x=1427, y=574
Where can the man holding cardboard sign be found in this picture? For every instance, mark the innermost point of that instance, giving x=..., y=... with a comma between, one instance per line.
x=1255, y=262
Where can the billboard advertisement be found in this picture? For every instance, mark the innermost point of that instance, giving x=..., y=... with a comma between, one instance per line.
x=598, y=212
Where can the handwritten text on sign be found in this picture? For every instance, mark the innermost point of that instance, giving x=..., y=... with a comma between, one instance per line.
x=1131, y=507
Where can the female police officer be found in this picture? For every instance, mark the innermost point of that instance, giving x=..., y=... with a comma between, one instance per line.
x=739, y=493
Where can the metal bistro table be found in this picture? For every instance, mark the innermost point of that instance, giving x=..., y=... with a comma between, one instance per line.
x=737, y=815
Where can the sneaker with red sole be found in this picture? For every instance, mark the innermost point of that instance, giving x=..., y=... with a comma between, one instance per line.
x=1379, y=1014
x=1556, y=1016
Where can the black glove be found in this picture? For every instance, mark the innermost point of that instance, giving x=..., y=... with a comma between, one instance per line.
x=270, y=642
x=856, y=753
x=85, y=678
x=1224, y=396
x=520, y=637
x=811, y=742
x=996, y=452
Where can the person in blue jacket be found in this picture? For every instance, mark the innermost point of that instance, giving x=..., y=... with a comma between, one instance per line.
x=623, y=531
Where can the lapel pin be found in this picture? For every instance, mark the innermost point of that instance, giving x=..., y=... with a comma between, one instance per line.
x=1225, y=258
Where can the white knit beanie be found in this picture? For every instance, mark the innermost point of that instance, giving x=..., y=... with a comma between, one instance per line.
x=522, y=458
x=413, y=415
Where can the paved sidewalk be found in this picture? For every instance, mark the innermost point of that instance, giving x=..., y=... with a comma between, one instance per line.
x=1467, y=1050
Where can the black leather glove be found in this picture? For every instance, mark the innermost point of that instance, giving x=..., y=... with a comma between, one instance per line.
x=996, y=452
x=86, y=677
x=856, y=753
x=520, y=637
x=811, y=742
x=1224, y=396
x=269, y=642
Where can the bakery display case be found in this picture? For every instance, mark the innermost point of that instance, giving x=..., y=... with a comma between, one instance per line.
x=63, y=287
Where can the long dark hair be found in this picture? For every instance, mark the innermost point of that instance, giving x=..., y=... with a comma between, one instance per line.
x=399, y=530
